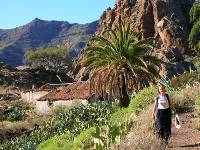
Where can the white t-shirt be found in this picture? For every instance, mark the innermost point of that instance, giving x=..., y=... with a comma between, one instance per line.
x=163, y=102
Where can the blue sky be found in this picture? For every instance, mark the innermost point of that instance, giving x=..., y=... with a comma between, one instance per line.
x=14, y=13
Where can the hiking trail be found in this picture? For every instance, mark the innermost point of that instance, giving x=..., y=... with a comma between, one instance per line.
x=141, y=138
x=187, y=137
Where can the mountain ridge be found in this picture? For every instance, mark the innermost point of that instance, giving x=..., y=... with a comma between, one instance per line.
x=41, y=34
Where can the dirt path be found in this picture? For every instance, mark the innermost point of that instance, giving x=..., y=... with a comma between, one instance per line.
x=185, y=138
x=141, y=138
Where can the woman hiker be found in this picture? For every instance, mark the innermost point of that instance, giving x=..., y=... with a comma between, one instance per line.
x=163, y=106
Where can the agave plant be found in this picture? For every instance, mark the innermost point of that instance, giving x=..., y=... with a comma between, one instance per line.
x=120, y=61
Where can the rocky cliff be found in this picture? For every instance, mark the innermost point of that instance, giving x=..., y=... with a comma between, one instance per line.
x=165, y=20
x=40, y=33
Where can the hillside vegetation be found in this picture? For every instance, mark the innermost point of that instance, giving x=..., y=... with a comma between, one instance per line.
x=194, y=36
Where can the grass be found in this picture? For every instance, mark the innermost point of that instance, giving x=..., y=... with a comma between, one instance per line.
x=14, y=111
x=142, y=99
x=182, y=80
x=185, y=99
x=196, y=118
x=5, y=123
x=197, y=126
x=56, y=143
x=197, y=102
x=120, y=116
x=63, y=142
x=137, y=104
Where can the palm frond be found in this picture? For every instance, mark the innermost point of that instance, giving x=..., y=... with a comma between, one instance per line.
x=120, y=59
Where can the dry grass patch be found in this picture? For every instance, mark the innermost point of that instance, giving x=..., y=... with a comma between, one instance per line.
x=16, y=129
x=198, y=126
x=185, y=99
x=196, y=117
x=19, y=126
x=141, y=136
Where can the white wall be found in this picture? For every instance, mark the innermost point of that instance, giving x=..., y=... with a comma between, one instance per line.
x=42, y=107
x=32, y=96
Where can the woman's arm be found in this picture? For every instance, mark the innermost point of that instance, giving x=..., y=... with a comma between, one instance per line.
x=154, y=109
x=171, y=104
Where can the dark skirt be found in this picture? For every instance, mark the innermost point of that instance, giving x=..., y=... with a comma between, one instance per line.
x=163, y=123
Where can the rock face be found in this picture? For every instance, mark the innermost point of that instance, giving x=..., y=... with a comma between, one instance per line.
x=41, y=34
x=166, y=20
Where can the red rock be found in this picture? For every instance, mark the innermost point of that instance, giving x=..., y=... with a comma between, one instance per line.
x=148, y=14
x=165, y=20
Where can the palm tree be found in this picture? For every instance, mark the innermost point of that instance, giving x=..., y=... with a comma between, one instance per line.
x=120, y=62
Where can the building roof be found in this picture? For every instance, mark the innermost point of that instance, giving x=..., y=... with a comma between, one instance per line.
x=77, y=90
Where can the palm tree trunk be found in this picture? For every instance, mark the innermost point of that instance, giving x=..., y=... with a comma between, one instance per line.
x=124, y=98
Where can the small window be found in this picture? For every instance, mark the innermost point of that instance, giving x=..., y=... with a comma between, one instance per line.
x=50, y=103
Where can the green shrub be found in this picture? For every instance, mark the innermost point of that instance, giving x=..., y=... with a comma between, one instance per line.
x=63, y=142
x=194, y=37
x=17, y=112
x=74, y=120
x=195, y=23
x=142, y=99
x=15, y=115
x=138, y=103
x=55, y=59
x=197, y=102
x=195, y=12
x=56, y=143
x=107, y=135
x=99, y=137
x=84, y=140
x=119, y=116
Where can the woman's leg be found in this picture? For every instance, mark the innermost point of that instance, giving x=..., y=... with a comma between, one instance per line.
x=167, y=125
x=163, y=124
x=159, y=124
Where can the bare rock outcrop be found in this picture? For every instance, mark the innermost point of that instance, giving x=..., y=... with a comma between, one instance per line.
x=165, y=20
